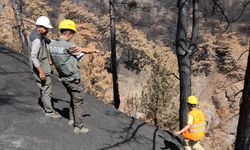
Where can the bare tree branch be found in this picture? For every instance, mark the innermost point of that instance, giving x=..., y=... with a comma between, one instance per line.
x=241, y=12
x=195, y=27
x=173, y=74
x=222, y=11
x=242, y=54
x=22, y=19
x=216, y=4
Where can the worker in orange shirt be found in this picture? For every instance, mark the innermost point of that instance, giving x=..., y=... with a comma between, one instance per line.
x=194, y=131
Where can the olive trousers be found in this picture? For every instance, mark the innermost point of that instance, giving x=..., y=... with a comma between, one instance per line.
x=45, y=91
x=75, y=90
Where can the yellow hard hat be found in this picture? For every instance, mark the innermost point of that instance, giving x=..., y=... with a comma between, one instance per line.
x=67, y=24
x=192, y=100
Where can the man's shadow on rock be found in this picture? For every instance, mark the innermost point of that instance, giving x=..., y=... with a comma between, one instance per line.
x=175, y=143
x=64, y=112
x=170, y=146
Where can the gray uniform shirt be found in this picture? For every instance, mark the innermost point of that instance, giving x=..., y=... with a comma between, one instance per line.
x=65, y=63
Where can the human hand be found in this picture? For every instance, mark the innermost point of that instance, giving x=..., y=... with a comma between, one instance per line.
x=42, y=75
x=74, y=50
x=176, y=133
x=50, y=62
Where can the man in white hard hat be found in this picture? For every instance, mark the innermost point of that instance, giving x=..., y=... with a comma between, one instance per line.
x=40, y=64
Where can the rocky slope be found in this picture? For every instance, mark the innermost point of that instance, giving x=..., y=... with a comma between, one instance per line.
x=147, y=64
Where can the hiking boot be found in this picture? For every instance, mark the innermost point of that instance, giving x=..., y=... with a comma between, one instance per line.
x=54, y=115
x=82, y=130
x=71, y=123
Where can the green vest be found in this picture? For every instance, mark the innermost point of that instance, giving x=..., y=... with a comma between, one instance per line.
x=66, y=65
x=43, y=54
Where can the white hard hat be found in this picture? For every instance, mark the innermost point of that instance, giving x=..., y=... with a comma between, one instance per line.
x=44, y=21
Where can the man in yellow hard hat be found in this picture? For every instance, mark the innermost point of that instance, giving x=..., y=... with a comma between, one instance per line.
x=40, y=65
x=63, y=54
x=194, y=131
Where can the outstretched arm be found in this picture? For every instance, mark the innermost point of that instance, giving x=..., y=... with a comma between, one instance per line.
x=182, y=130
x=89, y=50
x=189, y=123
x=74, y=50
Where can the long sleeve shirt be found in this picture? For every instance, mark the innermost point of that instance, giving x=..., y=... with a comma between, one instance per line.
x=36, y=44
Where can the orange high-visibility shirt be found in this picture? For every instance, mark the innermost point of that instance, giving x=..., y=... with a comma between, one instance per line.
x=197, y=128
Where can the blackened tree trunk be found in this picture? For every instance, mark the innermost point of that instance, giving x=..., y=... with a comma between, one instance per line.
x=243, y=130
x=184, y=49
x=20, y=26
x=113, y=55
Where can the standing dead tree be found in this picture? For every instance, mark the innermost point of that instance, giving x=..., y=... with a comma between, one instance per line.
x=243, y=130
x=113, y=55
x=20, y=26
x=184, y=50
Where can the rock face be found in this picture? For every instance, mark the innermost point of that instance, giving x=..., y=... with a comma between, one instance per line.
x=146, y=61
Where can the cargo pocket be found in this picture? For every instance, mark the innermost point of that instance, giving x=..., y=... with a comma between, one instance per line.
x=68, y=68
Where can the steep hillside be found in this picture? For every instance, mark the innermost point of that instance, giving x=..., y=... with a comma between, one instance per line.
x=147, y=65
x=218, y=81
